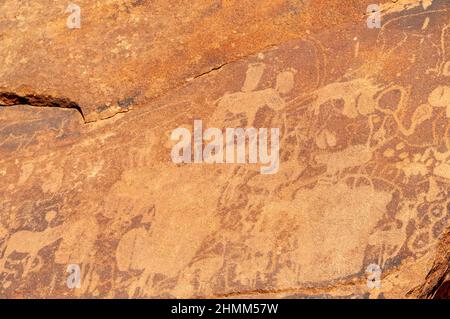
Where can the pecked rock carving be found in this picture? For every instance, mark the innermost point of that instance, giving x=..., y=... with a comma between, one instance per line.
x=364, y=175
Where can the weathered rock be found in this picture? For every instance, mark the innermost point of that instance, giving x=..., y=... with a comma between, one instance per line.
x=128, y=52
x=364, y=148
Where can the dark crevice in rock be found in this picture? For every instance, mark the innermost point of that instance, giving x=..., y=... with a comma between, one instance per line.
x=211, y=70
x=443, y=292
x=216, y=68
x=12, y=99
x=437, y=279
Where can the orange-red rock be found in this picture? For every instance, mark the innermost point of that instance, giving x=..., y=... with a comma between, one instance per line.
x=364, y=150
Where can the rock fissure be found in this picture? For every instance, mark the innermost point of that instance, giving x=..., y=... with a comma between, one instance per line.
x=37, y=100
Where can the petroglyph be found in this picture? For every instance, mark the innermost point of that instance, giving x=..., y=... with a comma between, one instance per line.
x=29, y=243
x=363, y=177
x=250, y=100
x=357, y=95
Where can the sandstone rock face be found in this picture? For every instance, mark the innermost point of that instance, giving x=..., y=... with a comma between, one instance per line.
x=363, y=184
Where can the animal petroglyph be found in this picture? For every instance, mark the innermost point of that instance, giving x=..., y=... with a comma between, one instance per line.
x=440, y=97
x=76, y=242
x=29, y=243
x=358, y=96
x=250, y=100
x=352, y=156
x=364, y=161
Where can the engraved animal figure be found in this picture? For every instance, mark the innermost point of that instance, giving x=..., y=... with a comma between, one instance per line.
x=30, y=243
x=389, y=241
x=358, y=96
x=133, y=254
x=352, y=156
x=249, y=101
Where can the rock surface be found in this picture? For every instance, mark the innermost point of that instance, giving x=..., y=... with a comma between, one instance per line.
x=364, y=177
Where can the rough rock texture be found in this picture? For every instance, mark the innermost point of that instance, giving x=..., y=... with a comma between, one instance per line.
x=364, y=171
x=131, y=51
